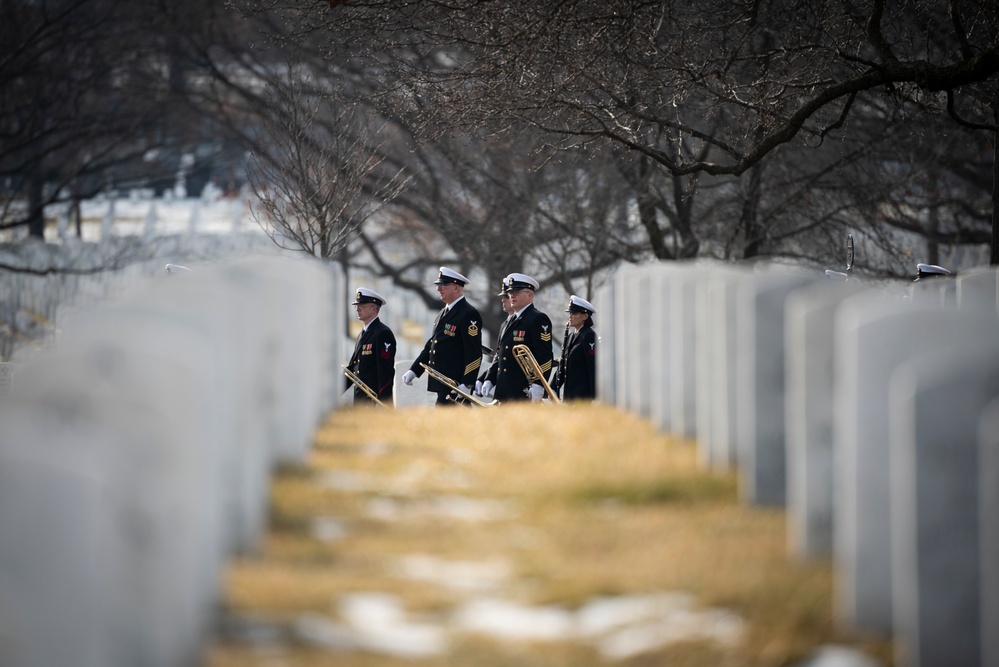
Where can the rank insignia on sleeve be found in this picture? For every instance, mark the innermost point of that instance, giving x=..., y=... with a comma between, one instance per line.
x=546, y=335
x=473, y=328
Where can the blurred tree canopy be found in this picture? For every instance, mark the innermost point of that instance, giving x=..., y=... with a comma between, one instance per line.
x=792, y=120
x=103, y=95
x=552, y=138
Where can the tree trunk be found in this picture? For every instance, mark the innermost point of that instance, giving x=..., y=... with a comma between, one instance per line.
x=640, y=181
x=932, y=247
x=994, y=255
x=749, y=221
x=36, y=214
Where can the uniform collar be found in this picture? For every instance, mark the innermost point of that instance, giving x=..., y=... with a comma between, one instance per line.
x=520, y=312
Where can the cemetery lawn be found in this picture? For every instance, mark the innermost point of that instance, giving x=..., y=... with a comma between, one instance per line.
x=489, y=535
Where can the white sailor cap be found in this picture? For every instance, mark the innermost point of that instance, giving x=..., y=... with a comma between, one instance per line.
x=448, y=276
x=930, y=271
x=502, y=291
x=516, y=281
x=365, y=295
x=580, y=305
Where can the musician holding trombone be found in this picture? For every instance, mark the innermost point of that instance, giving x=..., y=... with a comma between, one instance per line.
x=529, y=327
x=484, y=385
x=576, y=377
x=373, y=361
x=454, y=349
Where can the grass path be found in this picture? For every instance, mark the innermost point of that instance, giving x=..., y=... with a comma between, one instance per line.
x=522, y=535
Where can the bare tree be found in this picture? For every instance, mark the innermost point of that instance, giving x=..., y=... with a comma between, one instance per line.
x=104, y=95
x=484, y=203
x=710, y=87
x=322, y=175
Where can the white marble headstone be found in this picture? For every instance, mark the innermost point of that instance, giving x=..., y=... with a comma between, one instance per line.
x=936, y=403
x=874, y=335
x=809, y=416
x=760, y=384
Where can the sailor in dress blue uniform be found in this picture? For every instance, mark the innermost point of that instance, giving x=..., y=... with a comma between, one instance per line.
x=576, y=377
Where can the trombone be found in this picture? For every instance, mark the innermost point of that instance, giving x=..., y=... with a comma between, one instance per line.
x=356, y=379
x=532, y=370
x=440, y=377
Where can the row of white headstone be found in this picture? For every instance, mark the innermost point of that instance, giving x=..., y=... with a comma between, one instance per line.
x=871, y=414
x=173, y=214
x=136, y=455
x=77, y=274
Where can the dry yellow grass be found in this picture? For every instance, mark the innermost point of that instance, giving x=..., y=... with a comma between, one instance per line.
x=585, y=501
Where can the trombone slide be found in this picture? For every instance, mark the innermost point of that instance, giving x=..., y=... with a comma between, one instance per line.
x=359, y=383
x=443, y=379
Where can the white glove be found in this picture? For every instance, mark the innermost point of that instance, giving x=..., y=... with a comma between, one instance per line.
x=462, y=388
x=478, y=387
x=487, y=387
x=537, y=392
x=409, y=377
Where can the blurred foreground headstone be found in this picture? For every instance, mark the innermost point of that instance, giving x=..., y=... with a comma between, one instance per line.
x=937, y=401
x=107, y=556
x=988, y=526
x=874, y=335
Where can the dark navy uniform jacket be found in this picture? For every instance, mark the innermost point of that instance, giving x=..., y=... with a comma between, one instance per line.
x=454, y=348
x=577, y=370
x=533, y=329
x=490, y=373
x=374, y=361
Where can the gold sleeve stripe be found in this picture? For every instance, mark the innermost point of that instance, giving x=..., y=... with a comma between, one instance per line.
x=545, y=367
x=472, y=366
x=546, y=337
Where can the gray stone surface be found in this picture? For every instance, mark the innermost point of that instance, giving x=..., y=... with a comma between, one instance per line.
x=297, y=336
x=662, y=353
x=7, y=379
x=809, y=417
x=715, y=360
x=231, y=316
x=606, y=296
x=137, y=448
x=978, y=288
x=760, y=384
x=988, y=530
x=51, y=576
x=109, y=511
x=683, y=342
x=638, y=338
x=624, y=338
x=936, y=401
x=934, y=291
x=874, y=334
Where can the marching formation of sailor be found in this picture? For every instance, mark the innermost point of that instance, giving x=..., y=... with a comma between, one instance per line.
x=520, y=366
